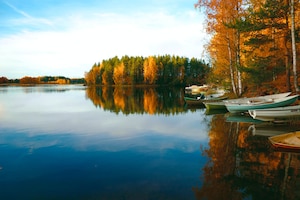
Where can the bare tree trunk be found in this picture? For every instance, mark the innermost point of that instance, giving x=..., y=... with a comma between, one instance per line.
x=238, y=56
x=231, y=65
x=286, y=52
x=294, y=47
x=238, y=63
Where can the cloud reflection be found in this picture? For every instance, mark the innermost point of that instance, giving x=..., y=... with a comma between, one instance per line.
x=40, y=119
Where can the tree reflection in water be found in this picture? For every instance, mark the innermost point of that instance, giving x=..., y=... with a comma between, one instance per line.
x=243, y=166
x=150, y=100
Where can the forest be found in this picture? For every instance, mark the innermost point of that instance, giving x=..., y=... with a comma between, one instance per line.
x=152, y=70
x=254, y=47
x=254, y=43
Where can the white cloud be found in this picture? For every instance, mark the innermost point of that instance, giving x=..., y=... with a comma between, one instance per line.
x=89, y=38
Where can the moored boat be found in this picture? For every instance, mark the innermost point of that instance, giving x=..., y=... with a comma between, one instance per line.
x=201, y=99
x=287, y=141
x=276, y=114
x=261, y=104
x=258, y=98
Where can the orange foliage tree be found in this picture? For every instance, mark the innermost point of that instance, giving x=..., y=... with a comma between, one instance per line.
x=3, y=80
x=225, y=46
x=118, y=75
x=29, y=80
x=150, y=70
x=253, y=42
x=91, y=77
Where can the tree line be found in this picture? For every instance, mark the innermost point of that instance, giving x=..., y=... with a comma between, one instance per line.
x=253, y=42
x=42, y=80
x=152, y=70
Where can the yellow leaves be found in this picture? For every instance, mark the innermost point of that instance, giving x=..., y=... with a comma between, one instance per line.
x=118, y=76
x=104, y=78
x=91, y=76
x=150, y=70
x=29, y=80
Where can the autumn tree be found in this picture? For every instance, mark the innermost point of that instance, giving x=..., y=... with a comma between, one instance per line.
x=118, y=75
x=225, y=41
x=252, y=41
x=162, y=70
x=150, y=70
x=266, y=33
x=3, y=80
x=107, y=66
x=29, y=80
x=92, y=77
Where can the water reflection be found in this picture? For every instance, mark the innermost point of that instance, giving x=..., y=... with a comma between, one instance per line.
x=245, y=166
x=62, y=114
x=136, y=142
x=57, y=145
x=128, y=100
x=41, y=88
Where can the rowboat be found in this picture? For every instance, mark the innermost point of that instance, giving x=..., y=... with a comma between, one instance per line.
x=258, y=98
x=201, y=99
x=215, y=105
x=276, y=114
x=287, y=141
x=262, y=103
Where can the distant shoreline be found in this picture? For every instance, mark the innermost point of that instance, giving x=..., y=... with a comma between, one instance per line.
x=35, y=84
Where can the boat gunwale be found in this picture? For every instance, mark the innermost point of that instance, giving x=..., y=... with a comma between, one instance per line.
x=275, y=140
x=235, y=108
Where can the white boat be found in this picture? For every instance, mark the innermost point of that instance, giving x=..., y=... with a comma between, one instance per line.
x=258, y=98
x=261, y=103
x=276, y=114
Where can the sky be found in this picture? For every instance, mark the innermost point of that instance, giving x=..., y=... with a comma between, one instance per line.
x=66, y=37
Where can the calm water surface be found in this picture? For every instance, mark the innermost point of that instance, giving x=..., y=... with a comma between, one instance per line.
x=56, y=144
x=72, y=142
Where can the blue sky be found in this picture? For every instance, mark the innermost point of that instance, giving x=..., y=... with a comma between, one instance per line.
x=66, y=37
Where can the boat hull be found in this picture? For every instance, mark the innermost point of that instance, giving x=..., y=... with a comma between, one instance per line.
x=276, y=114
x=286, y=141
x=259, y=98
x=244, y=107
x=199, y=101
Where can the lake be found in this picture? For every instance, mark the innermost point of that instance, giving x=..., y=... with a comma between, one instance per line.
x=76, y=142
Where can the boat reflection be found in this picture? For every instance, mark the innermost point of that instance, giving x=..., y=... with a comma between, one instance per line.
x=215, y=112
x=270, y=129
x=240, y=117
x=244, y=166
